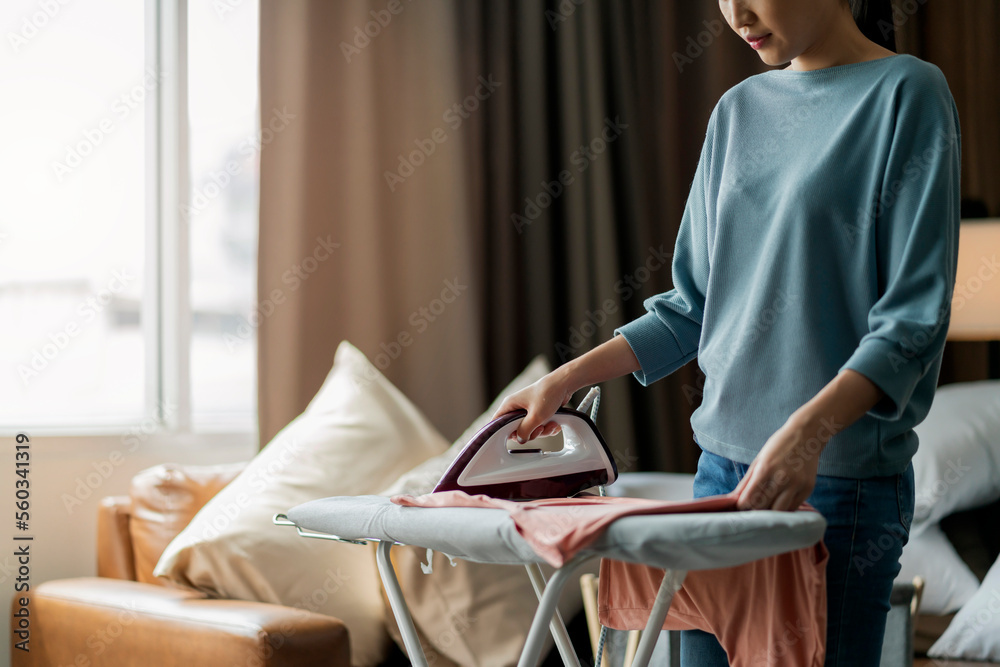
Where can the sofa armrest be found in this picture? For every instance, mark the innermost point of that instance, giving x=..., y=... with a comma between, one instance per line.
x=115, y=559
x=93, y=621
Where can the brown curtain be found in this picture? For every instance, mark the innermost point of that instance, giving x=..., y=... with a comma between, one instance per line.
x=582, y=164
x=571, y=134
x=960, y=38
x=397, y=285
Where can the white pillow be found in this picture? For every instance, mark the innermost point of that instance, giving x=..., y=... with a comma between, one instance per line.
x=974, y=633
x=957, y=465
x=357, y=435
x=949, y=583
x=472, y=614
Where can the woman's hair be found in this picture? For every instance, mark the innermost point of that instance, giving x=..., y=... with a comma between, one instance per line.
x=874, y=18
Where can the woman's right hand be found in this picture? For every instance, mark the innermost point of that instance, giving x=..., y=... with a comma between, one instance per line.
x=541, y=400
x=608, y=360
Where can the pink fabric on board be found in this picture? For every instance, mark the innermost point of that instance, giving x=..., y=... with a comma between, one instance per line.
x=770, y=612
x=557, y=528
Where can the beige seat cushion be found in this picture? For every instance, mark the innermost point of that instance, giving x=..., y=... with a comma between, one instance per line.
x=357, y=435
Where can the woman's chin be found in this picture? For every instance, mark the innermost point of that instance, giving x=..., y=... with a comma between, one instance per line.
x=772, y=59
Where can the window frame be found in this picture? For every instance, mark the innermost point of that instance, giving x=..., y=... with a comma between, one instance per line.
x=166, y=305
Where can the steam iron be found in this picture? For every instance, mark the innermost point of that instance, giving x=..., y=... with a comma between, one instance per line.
x=486, y=465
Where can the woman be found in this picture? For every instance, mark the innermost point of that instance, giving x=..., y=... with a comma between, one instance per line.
x=813, y=275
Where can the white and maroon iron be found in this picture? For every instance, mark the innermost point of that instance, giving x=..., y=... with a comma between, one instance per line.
x=489, y=465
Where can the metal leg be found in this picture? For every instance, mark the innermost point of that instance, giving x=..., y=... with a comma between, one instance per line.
x=546, y=608
x=398, y=604
x=674, y=648
x=672, y=581
x=556, y=626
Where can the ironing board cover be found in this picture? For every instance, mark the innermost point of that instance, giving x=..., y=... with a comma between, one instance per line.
x=483, y=535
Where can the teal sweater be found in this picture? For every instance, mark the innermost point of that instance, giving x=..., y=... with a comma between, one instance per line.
x=820, y=234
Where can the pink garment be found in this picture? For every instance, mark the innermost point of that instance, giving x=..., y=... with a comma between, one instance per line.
x=767, y=613
x=770, y=612
x=557, y=528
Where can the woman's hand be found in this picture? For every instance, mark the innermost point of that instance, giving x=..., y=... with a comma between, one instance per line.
x=608, y=360
x=541, y=400
x=783, y=474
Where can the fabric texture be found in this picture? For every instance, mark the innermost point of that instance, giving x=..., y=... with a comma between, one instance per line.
x=776, y=596
x=693, y=534
x=800, y=255
x=770, y=611
x=357, y=435
x=867, y=526
x=558, y=528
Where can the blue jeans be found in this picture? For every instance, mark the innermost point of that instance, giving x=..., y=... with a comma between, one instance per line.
x=868, y=522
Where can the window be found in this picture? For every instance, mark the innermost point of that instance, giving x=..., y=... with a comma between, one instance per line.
x=222, y=215
x=116, y=291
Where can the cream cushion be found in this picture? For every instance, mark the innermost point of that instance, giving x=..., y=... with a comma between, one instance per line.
x=957, y=464
x=948, y=581
x=974, y=634
x=471, y=614
x=357, y=435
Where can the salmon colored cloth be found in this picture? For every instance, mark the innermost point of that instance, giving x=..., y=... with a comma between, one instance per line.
x=767, y=613
x=557, y=528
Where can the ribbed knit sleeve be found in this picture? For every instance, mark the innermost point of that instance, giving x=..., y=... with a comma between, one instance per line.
x=916, y=222
x=666, y=337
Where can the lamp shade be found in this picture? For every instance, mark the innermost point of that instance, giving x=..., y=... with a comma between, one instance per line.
x=975, y=307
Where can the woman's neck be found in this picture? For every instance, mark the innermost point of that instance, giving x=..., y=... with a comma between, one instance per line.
x=842, y=44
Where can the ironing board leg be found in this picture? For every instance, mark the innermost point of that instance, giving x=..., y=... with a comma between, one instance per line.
x=672, y=581
x=557, y=626
x=398, y=604
x=546, y=609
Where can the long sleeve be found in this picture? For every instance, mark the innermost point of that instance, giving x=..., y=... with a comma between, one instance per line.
x=820, y=233
x=666, y=337
x=916, y=226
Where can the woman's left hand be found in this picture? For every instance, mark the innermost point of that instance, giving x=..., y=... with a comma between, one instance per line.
x=783, y=474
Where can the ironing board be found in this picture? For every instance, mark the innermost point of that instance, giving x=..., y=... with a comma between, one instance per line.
x=675, y=542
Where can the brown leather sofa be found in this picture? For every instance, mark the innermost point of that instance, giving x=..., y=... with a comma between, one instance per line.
x=125, y=617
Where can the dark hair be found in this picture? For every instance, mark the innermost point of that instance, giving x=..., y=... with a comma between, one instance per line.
x=874, y=18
